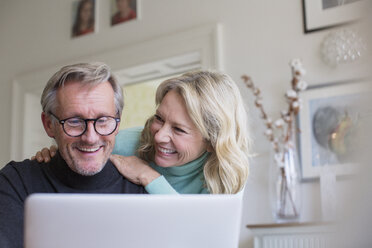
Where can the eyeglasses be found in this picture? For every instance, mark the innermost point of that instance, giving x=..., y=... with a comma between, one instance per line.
x=76, y=126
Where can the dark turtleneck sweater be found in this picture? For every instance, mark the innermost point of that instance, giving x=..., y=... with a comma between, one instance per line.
x=20, y=179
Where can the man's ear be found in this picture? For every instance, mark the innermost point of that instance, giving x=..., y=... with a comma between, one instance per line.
x=48, y=124
x=117, y=129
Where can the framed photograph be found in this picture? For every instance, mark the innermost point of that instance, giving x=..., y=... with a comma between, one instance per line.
x=84, y=17
x=322, y=14
x=330, y=124
x=123, y=11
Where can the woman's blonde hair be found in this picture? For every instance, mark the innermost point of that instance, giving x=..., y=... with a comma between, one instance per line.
x=215, y=105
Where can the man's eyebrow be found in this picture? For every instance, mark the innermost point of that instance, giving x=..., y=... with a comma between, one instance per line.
x=78, y=115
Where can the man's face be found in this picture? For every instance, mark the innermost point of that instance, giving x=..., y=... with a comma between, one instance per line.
x=88, y=153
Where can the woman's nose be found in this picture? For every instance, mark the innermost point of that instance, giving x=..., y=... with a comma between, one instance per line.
x=163, y=135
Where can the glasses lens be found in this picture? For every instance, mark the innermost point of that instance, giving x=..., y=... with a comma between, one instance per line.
x=105, y=125
x=74, y=126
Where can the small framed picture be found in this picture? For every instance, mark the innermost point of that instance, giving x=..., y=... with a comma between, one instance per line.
x=123, y=11
x=330, y=124
x=322, y=14
x=84, y=17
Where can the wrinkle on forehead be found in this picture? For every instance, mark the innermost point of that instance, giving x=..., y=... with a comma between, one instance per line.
x=76, y=99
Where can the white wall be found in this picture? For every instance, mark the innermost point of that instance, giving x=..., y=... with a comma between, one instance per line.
x=260, y=37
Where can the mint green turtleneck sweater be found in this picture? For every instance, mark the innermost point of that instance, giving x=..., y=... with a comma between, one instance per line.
x=184, y=179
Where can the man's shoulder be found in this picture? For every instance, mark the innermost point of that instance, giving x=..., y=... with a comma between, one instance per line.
x=20, y=168
x=19, y=164
x=19, y=178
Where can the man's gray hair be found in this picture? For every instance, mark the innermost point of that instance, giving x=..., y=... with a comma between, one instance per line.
x=85, y=73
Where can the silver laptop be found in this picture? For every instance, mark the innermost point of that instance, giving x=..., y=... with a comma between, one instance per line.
x=118, y=220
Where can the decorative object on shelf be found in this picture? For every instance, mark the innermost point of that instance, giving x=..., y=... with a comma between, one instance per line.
x=284, y=187
x=284, y=183
x=331, y=124
x=342, y=46
x=322, y=14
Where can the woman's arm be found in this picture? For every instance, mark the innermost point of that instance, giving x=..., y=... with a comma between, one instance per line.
x=139, y=172
x=160, y=185
x=134, y=169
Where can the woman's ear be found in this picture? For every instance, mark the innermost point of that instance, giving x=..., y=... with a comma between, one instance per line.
x=48, y=125
x=209, y=147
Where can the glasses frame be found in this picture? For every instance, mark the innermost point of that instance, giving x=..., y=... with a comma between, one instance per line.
x=62, y=122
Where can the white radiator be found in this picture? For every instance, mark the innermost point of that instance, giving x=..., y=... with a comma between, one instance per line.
x=291, y=235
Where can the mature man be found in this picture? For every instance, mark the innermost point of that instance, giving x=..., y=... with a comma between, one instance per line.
x=82, y=105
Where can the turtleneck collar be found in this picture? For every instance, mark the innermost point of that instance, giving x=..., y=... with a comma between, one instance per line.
x=189, y=168
x=69, y=178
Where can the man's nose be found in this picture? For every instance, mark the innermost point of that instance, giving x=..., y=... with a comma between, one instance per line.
x=90, y=135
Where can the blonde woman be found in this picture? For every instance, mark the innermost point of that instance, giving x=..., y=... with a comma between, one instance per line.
x=197, y=141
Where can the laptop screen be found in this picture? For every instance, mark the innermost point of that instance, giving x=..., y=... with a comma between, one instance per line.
x=108, y=220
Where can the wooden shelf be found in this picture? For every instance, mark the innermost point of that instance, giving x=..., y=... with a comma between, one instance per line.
x=286, y=224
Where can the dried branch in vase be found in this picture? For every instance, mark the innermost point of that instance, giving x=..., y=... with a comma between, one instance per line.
x=280, y=133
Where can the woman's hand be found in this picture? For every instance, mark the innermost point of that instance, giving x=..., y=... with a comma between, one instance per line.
x=45, y=155
x=134, y=169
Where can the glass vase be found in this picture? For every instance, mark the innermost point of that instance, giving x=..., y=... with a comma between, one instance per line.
x=285, y=190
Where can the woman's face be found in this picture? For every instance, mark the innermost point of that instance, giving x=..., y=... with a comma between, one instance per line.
x=122, y=5
x=86, y=12
x=177, y=140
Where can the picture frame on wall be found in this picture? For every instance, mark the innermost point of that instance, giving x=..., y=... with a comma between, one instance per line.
x=84, y=18
x=123, y=11
x=323, y=14
x=330, y=125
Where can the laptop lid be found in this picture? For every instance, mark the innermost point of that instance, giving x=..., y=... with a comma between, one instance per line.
x=114, y=220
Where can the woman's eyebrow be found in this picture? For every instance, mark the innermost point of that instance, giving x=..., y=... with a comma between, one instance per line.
x=178, y=124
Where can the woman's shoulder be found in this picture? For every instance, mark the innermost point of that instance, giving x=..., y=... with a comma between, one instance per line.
x=127, y=141
x=132, y=132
